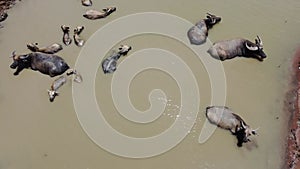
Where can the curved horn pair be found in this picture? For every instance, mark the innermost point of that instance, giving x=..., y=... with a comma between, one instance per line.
x=212, y=17
x=258, y=41
x=253, y=48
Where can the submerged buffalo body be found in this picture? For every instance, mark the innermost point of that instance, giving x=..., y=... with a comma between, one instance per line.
x=224, y=118
x=51, y=65
x=51, y=49
x=109, y=65
x=198, y=33
x=57, y=83
x=94, y=14
x=77, y=39
x=86, y=2
x=66, y=35
x=229, y=49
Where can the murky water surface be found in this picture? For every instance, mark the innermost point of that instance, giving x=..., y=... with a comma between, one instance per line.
x=38, y=134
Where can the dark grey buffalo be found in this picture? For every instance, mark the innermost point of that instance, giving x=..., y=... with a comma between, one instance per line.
x=229, y=49
x=224, y=118
x=94, y=14
x=198, y=33
x=109, y=65
x=51, y=65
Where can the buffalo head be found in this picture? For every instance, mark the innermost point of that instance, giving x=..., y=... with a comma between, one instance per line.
x=52, y=94
x=211, y=20
x=243, y=134
x=256, y=49
x=20, y=62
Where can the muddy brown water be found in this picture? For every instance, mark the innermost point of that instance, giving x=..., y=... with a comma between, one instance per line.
x=38, y=134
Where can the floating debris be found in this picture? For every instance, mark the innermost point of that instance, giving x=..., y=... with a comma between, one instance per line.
x=109, y=65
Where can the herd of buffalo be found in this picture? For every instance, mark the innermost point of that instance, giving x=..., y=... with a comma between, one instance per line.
x=222, y=116
x=44, y=60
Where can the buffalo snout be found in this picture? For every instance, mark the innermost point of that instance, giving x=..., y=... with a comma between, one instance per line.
x=218, y=19
x=262, y=54
x=14, y=65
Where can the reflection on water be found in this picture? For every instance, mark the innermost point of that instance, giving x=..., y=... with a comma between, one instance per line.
x=38, y=134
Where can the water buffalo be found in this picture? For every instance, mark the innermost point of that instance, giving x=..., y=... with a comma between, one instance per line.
x=57, y=83
x=51, y=65
x=198, y=33
x=86, y=2
x=109, y=10
x=77, y=39
x=224, y=118
x=3, y=16
x=51, y=49
x=93, y=14
x=124, y=49
x=229, y=49
x=66, y=35
x=60, y=81
x=109, y=65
